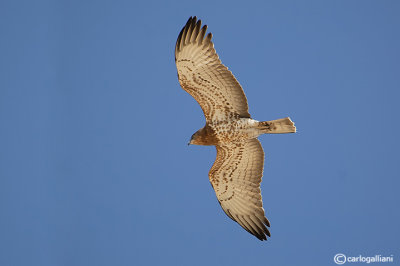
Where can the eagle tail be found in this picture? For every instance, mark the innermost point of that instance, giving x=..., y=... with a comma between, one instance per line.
x=284, y=125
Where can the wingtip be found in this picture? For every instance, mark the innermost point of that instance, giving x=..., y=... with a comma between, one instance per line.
x=192, y=25
x=266, y=222
x=264, y=236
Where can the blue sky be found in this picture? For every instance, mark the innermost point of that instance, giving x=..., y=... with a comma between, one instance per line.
x=94, y=166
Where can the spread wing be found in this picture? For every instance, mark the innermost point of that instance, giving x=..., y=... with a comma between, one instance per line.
x=202, y=75
x=236, y=177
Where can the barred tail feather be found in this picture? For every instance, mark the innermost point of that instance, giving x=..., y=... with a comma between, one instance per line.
x=284, y=125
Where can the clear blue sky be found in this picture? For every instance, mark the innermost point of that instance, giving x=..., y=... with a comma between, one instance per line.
x=94, y=166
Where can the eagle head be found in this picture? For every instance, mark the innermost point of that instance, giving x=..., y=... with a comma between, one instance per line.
x=204, y=136
x=196, y=138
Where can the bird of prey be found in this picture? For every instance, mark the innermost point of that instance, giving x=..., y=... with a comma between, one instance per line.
x=237, y=171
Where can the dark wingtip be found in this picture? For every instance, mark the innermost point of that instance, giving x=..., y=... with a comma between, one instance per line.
x=263, y=235
x=189, y=27
x=182, y=32
x=267, y=222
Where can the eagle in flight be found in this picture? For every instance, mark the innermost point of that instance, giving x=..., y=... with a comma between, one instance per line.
x=237, y=171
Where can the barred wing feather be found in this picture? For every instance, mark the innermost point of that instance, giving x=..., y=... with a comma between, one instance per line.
x=236, y=176
x=202, y=75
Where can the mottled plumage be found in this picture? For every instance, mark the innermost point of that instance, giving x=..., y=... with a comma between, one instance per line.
x=237, y=171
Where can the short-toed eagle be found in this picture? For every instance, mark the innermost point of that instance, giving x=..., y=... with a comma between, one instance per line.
x=237, y=171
